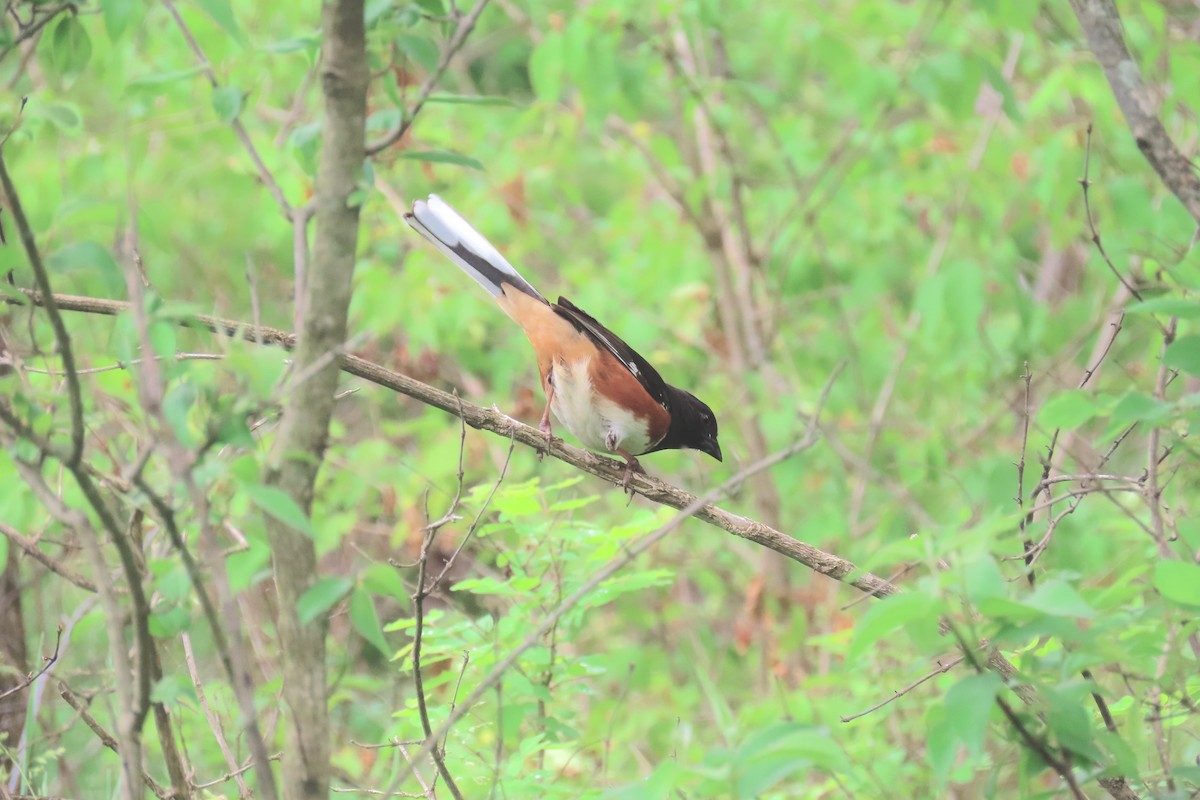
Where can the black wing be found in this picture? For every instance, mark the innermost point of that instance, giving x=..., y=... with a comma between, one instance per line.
x=639, y=367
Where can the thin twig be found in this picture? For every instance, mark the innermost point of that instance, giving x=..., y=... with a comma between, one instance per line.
x=1024, y=519
x=418, y=599
x=942, y=669
x=236, y=123
x=58, y=568
x=613, y=471
x=131, y=362
x=1085, y=183
x=106, y=738
x=61, y=337
x=49, y=662
x=457, y=40
x=214, y=725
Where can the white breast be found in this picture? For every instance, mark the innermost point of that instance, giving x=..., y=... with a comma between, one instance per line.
x=594, y=420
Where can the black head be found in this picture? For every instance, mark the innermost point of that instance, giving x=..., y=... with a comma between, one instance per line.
x=693, y=424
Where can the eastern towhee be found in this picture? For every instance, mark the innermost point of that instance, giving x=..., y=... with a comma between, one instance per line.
x=596, y=385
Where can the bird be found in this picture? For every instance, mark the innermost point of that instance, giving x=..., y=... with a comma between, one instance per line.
x=597, y=386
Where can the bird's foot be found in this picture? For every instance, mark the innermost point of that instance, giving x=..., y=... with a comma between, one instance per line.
x=544, y=427
x=632, y=466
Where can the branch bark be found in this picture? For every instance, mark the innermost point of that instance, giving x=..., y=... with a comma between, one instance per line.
x=480, y=418
x=300, y=446
x=1101, y=23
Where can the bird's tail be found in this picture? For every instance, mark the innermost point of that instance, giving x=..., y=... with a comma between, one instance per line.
x=449, y=232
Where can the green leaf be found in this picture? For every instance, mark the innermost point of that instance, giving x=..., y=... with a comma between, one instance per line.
x=222, y=13
x=1070, y=722
x=247, y=567
x=546, y=67
x=983, y=579
x=277, y=504
x=941, y=742
x=441, y=157
x=433, y=8
x=1184, y=354
x=1139, y=407
x=1178, y=581
x=385, y=579
x=885, y=616
x=292, y=45
x=969, y=706
x=1069, y=410
x=70, y=46
x=1057, y=598
x=162, y=340
x=471, y=100
x=1182, y=307
x=64, y=117
x=177, y=407
x=172, y=688
x=321, y=597
x=420, y=49
x=305, y=141
x=117, y=15
x=383, y=120
x=232, y=429
x=227, y=101
x=88, y=256
x=366, y=621
x=774, y=753
x=169, y=623
x=171, y=579
x=167, y=76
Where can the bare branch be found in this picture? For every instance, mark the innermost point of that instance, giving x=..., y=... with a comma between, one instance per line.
x=106, y=738
x=42, y=278
x=1086, y=183
x=942, y=669
x=33, y=551
x=1101, y=22
x=49, y=662
x=481, y=418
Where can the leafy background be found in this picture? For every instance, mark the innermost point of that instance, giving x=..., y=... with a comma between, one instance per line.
x=751, y=194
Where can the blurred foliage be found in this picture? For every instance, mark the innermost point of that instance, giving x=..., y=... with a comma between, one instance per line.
x=909, y=181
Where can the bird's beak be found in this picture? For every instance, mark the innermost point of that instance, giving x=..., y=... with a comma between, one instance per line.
x=712, y=448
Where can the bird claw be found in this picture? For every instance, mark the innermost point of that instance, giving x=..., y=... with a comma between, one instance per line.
x=631, y=466
x=545, y=428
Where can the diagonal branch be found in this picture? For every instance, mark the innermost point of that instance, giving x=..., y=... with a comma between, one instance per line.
x=481, y=418
x=42, y=278
x=653, y=489
x=1101, y=22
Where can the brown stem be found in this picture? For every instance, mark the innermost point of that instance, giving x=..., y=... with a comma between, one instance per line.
x=299, y=447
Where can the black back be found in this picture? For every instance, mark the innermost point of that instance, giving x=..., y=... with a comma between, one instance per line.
x=640, y=368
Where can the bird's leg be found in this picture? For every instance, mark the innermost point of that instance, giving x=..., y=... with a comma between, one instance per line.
x=544, y=425
x=631, y=462
x=632, y=465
